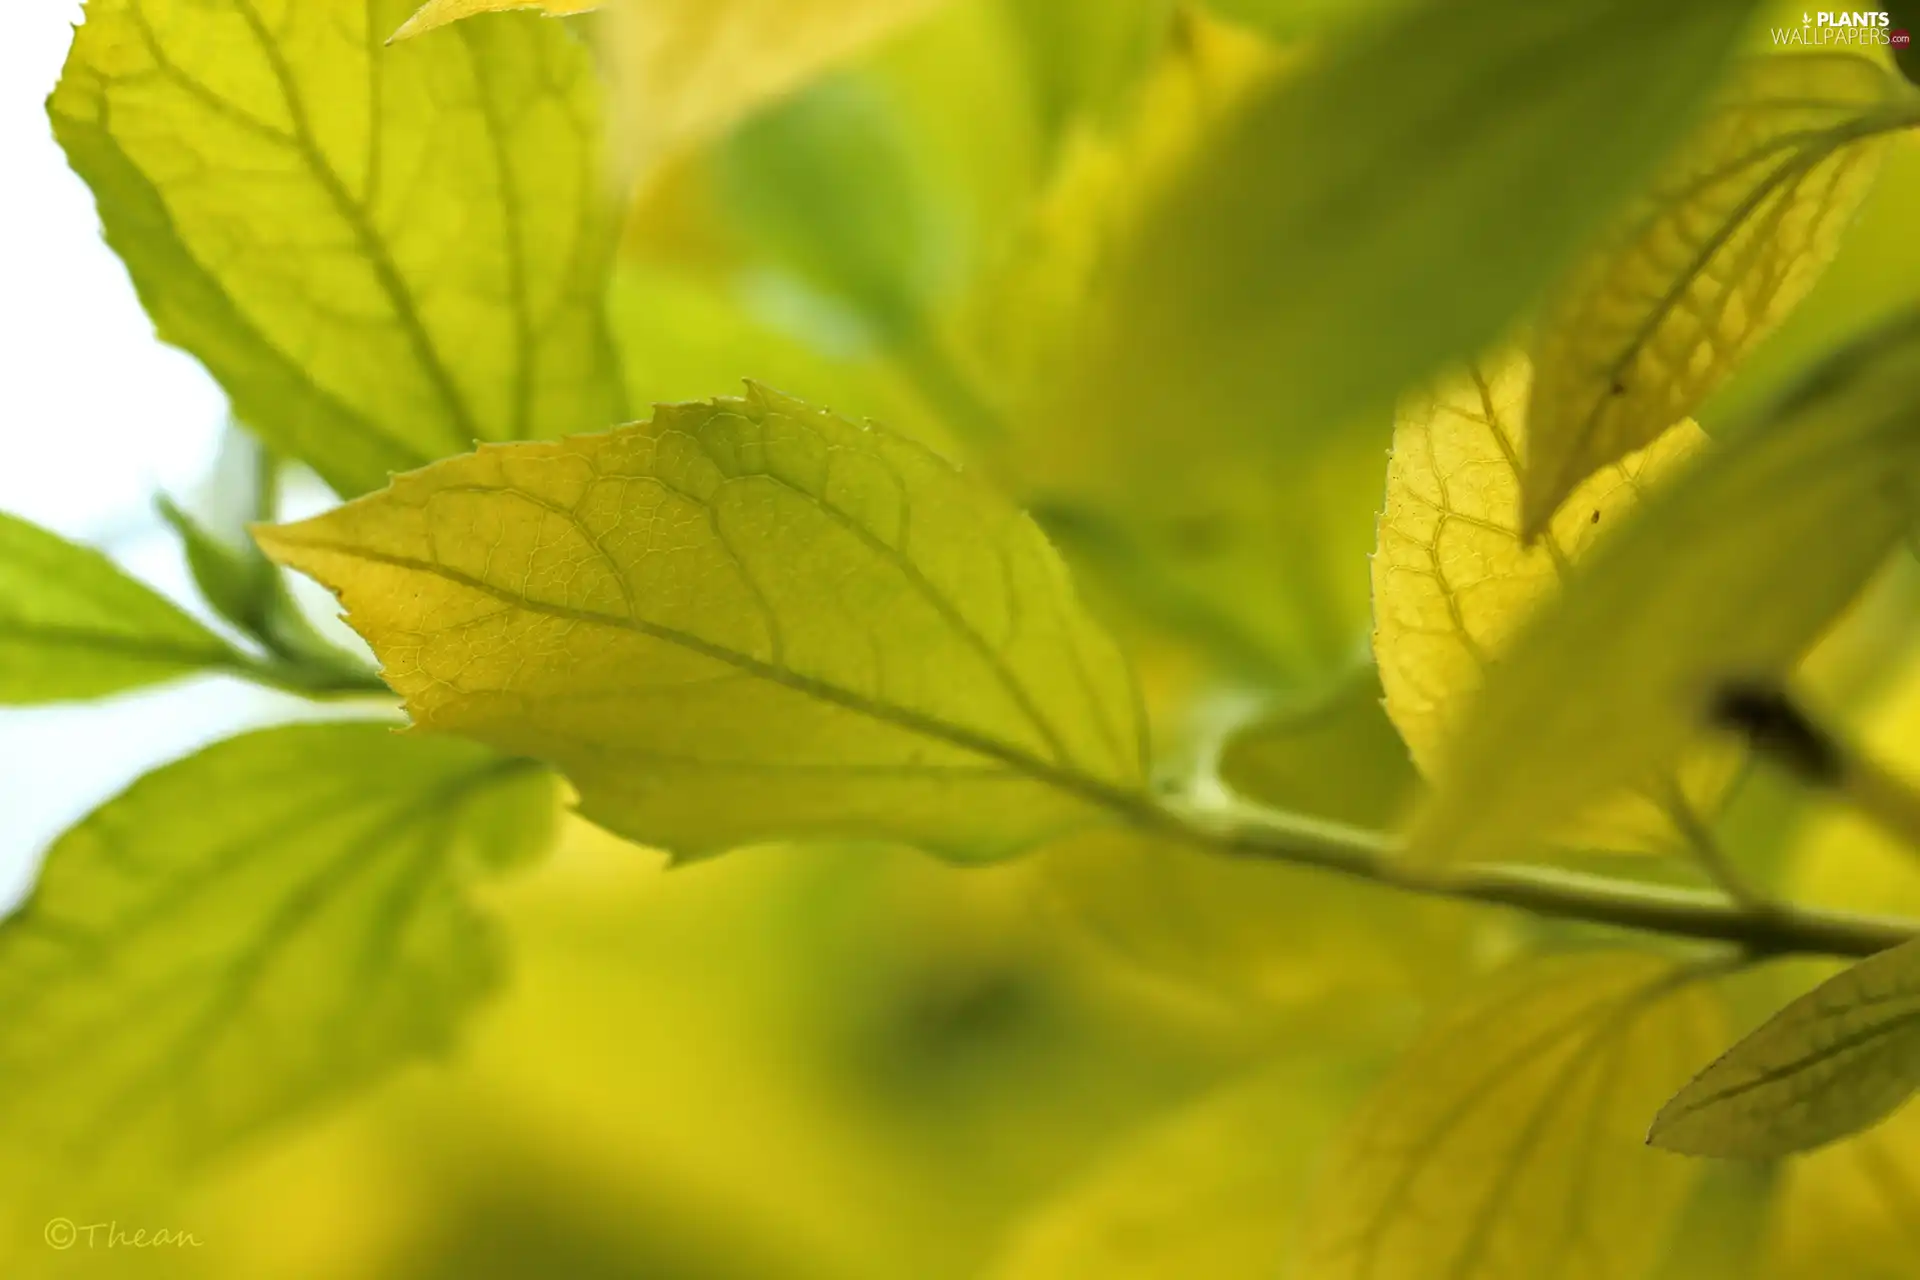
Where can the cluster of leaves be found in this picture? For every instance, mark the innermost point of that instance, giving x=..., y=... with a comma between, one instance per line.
x=750, y=619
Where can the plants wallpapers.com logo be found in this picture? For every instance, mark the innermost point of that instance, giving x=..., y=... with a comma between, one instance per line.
x=1857, y=27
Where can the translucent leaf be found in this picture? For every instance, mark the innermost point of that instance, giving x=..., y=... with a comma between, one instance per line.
x=1831, y=1063
x=1452, y=581
x=73, y=626
x=438, y=13
x=1357, y=224
x=1731, y=237
x=1509, y=1144
x=175, y=983
x=1209, y=1191
x=382, y=255
x=1251, y=564
x=1727, y=574
x=744, y=620
x=686, y=70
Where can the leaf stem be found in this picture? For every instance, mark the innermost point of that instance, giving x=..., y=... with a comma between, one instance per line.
x=1759, y=929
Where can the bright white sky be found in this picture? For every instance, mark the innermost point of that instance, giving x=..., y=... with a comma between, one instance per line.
x=96, y=416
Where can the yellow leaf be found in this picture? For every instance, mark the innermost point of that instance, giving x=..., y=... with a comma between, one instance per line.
x=1725, y=576
x=438, y=13
x=743, y=620
x=1206, y=1193
x=1452, y=581
x=1852, y=1210
x=1729, y=240
x=1509, y=1144
x=381, y=254
x=685, y=70
x=1831, y=1063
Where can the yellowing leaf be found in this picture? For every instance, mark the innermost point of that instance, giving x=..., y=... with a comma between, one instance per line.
x=743, y=620
x=1207, y=1192
x=1452, y=580
x=1360, y=223
x=1509, y=1144
x=1831, y=1063
x=1851, y=1211
x=176, y=982
x=73, y=626
x=686, y=70
x=1727, y=574
x=438, y=13
x=382, y=255
x=1729, y=240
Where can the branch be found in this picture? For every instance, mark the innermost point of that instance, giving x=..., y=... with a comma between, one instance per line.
x=1759, y=929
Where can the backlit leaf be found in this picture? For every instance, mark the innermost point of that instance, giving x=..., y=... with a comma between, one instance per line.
x=438, y=13
x=176, y=982
x=1209, y=1191
x=72, y=625
x=686, y=70
x=1831, y=1063
x=383, y=255
x=1509, y=1144
x=1359, y=223
x=1452, y=580
x=1730, y=238
x=743, y=620
x=1727, y=573
x=1253, y=564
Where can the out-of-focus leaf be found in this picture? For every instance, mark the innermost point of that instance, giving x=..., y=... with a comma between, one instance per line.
x=1259, y=565
x=1452, y=580
x=1831, y=1063
x=1262, y=938
x=1338, y=759
x=1084, y=55
x=1724, y=576
x=1357, y=224
x=1852, y=1210
x=829, y=182
x=744, y=620
x=1210, y=1191
x=382, y=255
x=1509, y=1144
x=1733, y=234
x=73, y=626
x=238, y=582
x=176, y=982
x=438, y=13
x=686, y=70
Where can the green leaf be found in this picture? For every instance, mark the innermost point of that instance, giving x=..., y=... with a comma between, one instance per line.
x=1736, y=230
x=1724, y=576
x=744, y=620
x=829, y=183
x=238, y=582
x=1836, y=1060
x=1361, y=222
x=382, y=255
x=175, y=983
x=72, y=625
x=1508, y=1144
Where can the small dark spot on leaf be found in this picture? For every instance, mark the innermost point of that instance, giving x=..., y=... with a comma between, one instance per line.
x=1596, y=516
x=1618, y=388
